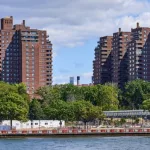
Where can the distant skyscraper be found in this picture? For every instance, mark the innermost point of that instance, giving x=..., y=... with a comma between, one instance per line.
x=72, y=80
x=78, y=80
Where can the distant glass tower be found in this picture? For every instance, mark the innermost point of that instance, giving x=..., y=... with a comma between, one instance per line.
x=72, y=80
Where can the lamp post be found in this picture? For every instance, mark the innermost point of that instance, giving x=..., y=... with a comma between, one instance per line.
x=60, y=123
x=39, y=124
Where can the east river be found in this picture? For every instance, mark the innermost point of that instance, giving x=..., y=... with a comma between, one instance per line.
x=87, y=143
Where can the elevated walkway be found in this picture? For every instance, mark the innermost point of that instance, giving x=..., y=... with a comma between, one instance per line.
x=127, y=113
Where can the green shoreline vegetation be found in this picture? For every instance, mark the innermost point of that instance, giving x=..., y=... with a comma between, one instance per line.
x=71, y=103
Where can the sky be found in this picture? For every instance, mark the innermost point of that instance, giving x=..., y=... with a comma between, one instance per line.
x=75, y=26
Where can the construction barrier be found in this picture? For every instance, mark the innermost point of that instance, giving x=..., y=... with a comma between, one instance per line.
x=112, y=130
x=44, y=132
x=131, y=130
x=4, y=132
x=140, y=130
x=24, y=132
x=121, y=130
x=103, y=131
x=35, y=132
x=64, y=131
x=75, y=131
x=83, y=131
x=148, y=130
x=54, y=131
x=93, y=131
x=14, y=132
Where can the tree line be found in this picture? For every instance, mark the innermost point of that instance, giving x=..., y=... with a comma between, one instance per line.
x=71, y=103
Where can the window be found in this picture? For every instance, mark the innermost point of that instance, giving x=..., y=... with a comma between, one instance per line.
x=27, y=53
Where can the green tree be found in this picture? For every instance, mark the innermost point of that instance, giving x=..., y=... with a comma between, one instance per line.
x=21, y=88
x=6, y=88
x=85, y=111
x=107, y=97
x=35, y=110
x=146, y=105
x=122, y=121
x=59, y=110
x=136, y=120
x=88, y=93
x=13, y=107
x=68, y=92
x=135, y=93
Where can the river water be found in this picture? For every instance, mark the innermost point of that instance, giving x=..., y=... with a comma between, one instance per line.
x=90, y=143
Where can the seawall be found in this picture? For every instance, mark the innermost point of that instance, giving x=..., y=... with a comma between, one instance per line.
x=75, y=133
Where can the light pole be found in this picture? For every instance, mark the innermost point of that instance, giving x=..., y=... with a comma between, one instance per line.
x=39, y=124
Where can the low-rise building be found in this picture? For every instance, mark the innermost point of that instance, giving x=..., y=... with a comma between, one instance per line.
x=34, y=124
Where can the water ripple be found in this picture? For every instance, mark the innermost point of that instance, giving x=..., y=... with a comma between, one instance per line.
x=91, y=143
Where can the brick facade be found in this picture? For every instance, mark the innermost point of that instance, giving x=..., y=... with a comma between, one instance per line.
x=25, y=55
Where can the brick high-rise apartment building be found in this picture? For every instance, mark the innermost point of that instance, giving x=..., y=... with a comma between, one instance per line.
x=110, y=64
x=25, y=55
x=102, y=62
x=130, y=57
x=139, y=54
x=119, y=57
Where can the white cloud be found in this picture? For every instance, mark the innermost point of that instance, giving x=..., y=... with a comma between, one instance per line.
x=71, y=23
x=87, y=75
x=61, y=79
x=54, y=54
x=128, y=22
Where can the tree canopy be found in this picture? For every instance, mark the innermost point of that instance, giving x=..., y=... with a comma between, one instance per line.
x=13, y=102
x=71, y=103
x=146, y=105
x=135, y=93
x=105, y=96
